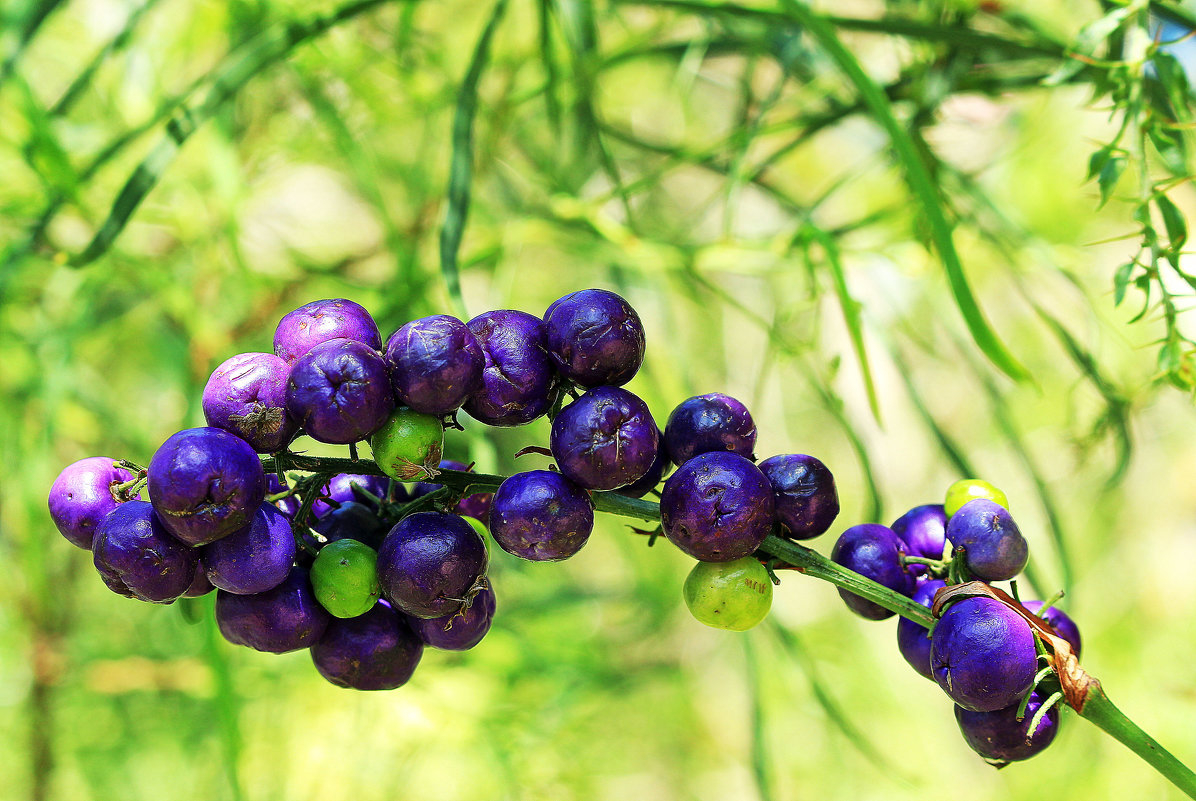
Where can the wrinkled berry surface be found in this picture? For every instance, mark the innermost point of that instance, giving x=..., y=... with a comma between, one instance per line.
x=706, y=423
x=803, y=490
x=541, y=515
x=81, y=496
x=982, y=654
x=874, y=551
x=435, y=364
x=717, y=507
x=518, y=381
x=137, y=558
x=246, y=396
x=374, y=651
x=913, y=641
x=605, y=439
x=339, y=391
x=923, y=529
x=594, y=338
x=204, y=484
x=322, y=320
x=283, y=619
x=429, y=562
x=458, y=632
x=650, y=480
x=1000, y=737
x=994, y=547
x=255, y=558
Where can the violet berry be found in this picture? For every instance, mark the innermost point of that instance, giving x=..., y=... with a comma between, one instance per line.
x=1000, y=737
x=804, y=492
x=246, y=396
x=717, y=507
x=255, y=558
x=82, y=496
x=435, y=364
x=374, y=651
x=339, y=391
x=982, y=654
x=431, y=564
x=518, y=381
x=913, y=640
x=595, y=338
x=605, y=439
x=137, y=558
x=994, y=549
x=541, y=515
x=458, y=632
x=321, y=320
x=874, y=551
x=283, y=619
x=710, y=422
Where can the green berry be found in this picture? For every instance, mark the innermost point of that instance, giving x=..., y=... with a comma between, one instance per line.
x=733, y=595
x=969, y=489
x=344, y=577
x=408, y=446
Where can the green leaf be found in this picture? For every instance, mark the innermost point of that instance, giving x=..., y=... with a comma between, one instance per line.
x=1109, y=175
x=1171, y=147
x=1173, y=221
x=1121, y=281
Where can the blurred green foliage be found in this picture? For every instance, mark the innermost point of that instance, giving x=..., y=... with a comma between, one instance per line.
x=178, y=174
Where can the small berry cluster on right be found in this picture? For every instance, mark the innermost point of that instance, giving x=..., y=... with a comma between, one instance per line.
x=982, y=651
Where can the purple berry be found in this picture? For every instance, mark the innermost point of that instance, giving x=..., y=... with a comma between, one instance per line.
x=476, y=506
x=874, y=551
x=994, y=547
x=200, y=586
x=1063, y=625
x=435, y=364
x=605, y=439
x=352, y=521
x=595, y=338
x=717, y=507
x=430, y=563
x=283, y=619
x=339, y=391
x=288, y=505
x=204, y=484
x=649, y=481
x=803, y=490
x=518, y=382
x=982, y=654
x=458, y=632
x=137, y=558
x=541, y=515
x=374, y=651
x=81, y=497
x=1000, y=737
x=340, y=489
x=255, y=558
x=913, y=641
x=246, y=396
x=923, y=529
x=322, y=320
x=706, y=423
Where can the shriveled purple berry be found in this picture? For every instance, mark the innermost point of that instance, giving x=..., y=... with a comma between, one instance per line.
x=339, y=391
x=913, y=641
x=204, y=484
x=288, y=505
x=804, y=492
x=458, y=632
x=717, y=507
x=247, y=396
x=982, y=654
x=283, y=619
x=255, y=558
x=82, y=496
x=650, y=480
x=518, y=381
x=435, y=364
x=431, y=563
x=595, y=338
x=321, y=320
x=340, y=489
x=541, y=515
x=706, y=423
x=374, y=651
x=137, y=558
x=605, y=439
x=1063, y=625
x=874, y=551
x=994, y=547
x=1000, y=737
x=923, y=529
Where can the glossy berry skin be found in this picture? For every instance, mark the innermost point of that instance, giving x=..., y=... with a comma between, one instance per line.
x=1063, y=625
x=605, y=439
x=982, y=654
x=247, y=396
x=913, y=641
x=339, y=391
x=717, y=507
x=344, y=577
x=255, y=558
x=430, y=562
x=204, y=484
x=994, y=547
x=289, y=505
x=873, y=551
x=340, y=489
x=595, y=338
x=374, y=651
x=706, y=423
x=732, y=595
x=322, y=320
x=283, y=619
x=137, y=558
x=1000, y=737
x=518, y=381
x=463, y=631
x=541, y=515
x=803, y=490
x=923, y=529
x=435, y=364
x=81, y=497
x=650, y=480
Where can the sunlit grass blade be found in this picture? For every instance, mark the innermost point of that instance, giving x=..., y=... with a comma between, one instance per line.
x=29, y=24
x=552, y=104
x=761, y=765
x=461, y=163
x=226, y=80
x=226, y=701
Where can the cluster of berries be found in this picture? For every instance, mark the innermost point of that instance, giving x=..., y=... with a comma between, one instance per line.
x=982, y=650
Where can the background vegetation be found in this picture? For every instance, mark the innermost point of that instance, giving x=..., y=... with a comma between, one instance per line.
x=790, y=196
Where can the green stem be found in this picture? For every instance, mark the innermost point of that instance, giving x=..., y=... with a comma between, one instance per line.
x=1100, y=711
